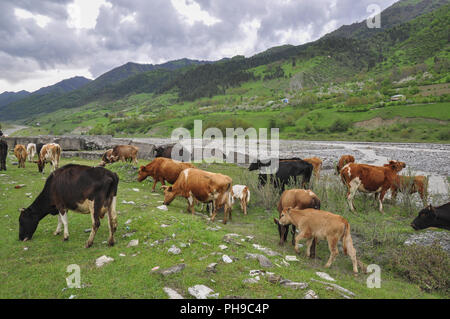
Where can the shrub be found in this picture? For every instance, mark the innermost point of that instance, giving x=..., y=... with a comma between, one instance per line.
x=340, y=125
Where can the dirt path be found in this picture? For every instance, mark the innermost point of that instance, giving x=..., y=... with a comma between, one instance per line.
x=11, y=130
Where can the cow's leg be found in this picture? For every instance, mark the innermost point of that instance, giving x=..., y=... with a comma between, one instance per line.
x=309, y=243
x=353, y=187
x=65, y=222
x=294, y=231
x=383, y=192
x=283, y=231
x=332, y=246
x=312, y=248
x=190, y=200
x=112, y=221
x=58, y=227
x=95, y=217
x=301, y=235
x=214, y=210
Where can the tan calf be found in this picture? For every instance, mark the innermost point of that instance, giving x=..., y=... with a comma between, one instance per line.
x=21, y=153
x=196, y=184
x=317, y=165
x=411, y=184
x=319, y=224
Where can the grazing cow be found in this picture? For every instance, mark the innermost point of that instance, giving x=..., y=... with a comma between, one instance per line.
x=3, y=154
x=196, y=184
x=299, y=199
x=344, y=160
x=287, y=169
x=106, y=158
x=21, y=153
x=369, y=179
x=317, y=165
x=319, y=225
x=31, y=151
x=50, y=153
x=411, y=184
x=123, y=153
x=80, y=188
x=433, y=217
x=162, y=169
x=39, y=148
x=242, y=193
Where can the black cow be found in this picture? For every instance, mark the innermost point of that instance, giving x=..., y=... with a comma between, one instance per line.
x=183, y=154
x=38, y=148
x=287, y=169
x=433, y=217
x=3, y=154
x=79, y=188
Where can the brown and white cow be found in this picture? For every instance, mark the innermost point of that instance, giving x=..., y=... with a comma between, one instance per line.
x=319, y=225
x=369, y=179
x=31, y=151
x=241, y=193
x=317, y=165
x=206, y=187
x=162, y=169
x=50, y=153
x=21, y=153
x=411, y=184
x=298, y=199
x=80, y=188
x=344, y=160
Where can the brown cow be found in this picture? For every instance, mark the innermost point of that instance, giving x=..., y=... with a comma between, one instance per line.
x=50, y=153
x=344, y=160
x=196, y=184
x=369, y=179
x=106, y=157
x=294, y=198
x=317, y=165
x=411, y=184
x=162, y=169
x=319, y=224
x=21, y=153
x=122, y=153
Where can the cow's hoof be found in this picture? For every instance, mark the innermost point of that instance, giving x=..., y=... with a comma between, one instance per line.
x=224, y=222
x=56, y=233
x=111, y=243
x=88, y=245
x=65, y=238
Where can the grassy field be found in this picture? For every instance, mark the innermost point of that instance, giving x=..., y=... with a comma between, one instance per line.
x=37, y=268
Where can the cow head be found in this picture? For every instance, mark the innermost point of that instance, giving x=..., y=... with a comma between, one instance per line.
x=396, y=165
x=425, y=219
x=41, y=165
x=28, y=223
x=169, y=194
x=285, y=217
x=142, y=174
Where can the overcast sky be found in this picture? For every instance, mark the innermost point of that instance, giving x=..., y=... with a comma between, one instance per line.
x=45, y=41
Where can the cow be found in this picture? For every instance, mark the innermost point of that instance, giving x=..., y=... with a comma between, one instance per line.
x=299, y=199
x=317, y=165
x=31, y=151
x=369, y=179
x=166, y=151
x=344, y=160
x=39, y=148
x=3, y=154
x=319, y=225
x=123, y=153
x=433, y=217
x=162, y=169
x=50, y=153
x=241, y=193
x=106, y=157
x=206, y=187
x=411, y=184
x=287, y=169
x=21, y=153
x=79, y=188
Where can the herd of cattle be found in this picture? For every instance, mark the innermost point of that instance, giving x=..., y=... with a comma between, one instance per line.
x=93, y=190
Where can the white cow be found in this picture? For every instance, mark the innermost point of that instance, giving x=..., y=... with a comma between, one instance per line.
x=31, y=151
x=242, y=193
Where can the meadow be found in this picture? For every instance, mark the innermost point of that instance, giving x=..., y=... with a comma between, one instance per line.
x=37, y=268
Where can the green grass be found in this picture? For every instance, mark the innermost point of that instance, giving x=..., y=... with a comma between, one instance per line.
x=40, y=271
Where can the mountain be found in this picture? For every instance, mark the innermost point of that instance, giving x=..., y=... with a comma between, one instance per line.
x=9, y=97
x=64, y=86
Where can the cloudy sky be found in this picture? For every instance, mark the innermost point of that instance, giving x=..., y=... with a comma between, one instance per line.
x=45, y=41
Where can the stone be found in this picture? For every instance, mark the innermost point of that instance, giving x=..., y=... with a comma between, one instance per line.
x=100, y=261
x=291, y=258
x=251, y=280
x=202, y=292
x=172, y=270
x=174, y=250
x=227, y=259
x=173, y=294
x=325, y=276
x=223, y=247
x=211, y=267
x=293, y=284
x=311, y=294
x=266, y=250
x=133, y=243
x=274, y=279
x=263, y=260
x=162, y=207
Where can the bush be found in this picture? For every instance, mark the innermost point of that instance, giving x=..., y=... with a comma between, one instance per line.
x=429, y=267
x=444, y=135
x=340, y=125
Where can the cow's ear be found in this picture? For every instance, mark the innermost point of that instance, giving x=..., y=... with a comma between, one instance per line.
x=21, y=210
x=288, y=211
x=276, y=221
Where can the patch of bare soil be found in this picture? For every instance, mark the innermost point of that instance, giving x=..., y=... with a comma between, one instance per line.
x=378, y=121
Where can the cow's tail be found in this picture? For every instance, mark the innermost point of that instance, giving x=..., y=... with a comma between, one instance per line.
x=347, y=242
x=247, y=191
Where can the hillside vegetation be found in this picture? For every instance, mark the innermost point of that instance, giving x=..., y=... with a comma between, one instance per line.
x=332, y=85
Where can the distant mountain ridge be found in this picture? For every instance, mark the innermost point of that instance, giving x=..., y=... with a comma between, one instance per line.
x=64, y=86
x=10, y=97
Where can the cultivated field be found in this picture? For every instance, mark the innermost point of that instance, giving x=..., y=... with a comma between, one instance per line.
x=37, y=268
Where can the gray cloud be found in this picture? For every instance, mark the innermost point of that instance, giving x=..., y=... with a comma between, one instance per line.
x=159, y=33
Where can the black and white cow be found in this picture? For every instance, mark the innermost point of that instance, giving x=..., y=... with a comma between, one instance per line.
x=3, y=154
x=83, y=189
x=287, y=169
x=433, y=217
